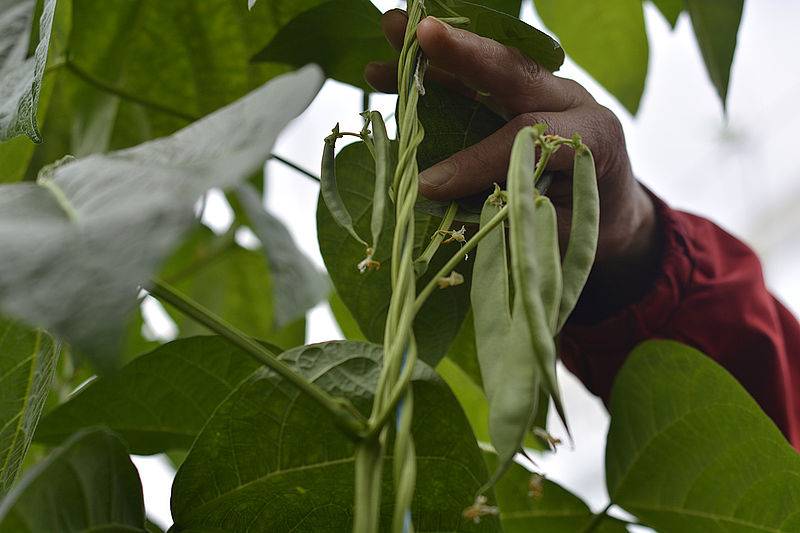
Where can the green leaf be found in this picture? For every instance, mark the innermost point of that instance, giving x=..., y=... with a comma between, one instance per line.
x=154, y=67
x=270, y=459
x=509, y=7
x=88, y=484
x=126, y=211
x=344, y=318
x=716, y=25
x=297, y=284
x=452, y=122
x=234, y=283
x=341, y=36
x=20, y=76
x=607, y=39
x=689, y=450
x=505, y=29
x=158, y=402
x=27, y=364
x=469, y=395
x=555, y=509
x=367, y=295
x=671, y=9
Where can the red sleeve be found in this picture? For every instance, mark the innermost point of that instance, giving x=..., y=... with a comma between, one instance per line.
x=710, y=294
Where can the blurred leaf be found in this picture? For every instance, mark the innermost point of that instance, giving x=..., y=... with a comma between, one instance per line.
x=271, y=460
x=158, y=402
x=689, y=450
x=159, y=65
x=297, y=285
x=469, y=395
x=152, y=527
x=530, y=503
x=607, y=39
x=27, y=363
x=126, y=211
x=341, y=36
x=21, y=76
x=716, y=25
x=234, y=283
x=88, y=484
x=344, y=318
x=671, y=9
x=367, y=295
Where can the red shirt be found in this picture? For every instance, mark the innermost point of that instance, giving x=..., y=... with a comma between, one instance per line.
x=710, y=294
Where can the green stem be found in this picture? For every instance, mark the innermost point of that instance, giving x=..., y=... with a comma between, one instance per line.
x=459, y=256
x=344, y=414
x=422, y=262
x=294, y=166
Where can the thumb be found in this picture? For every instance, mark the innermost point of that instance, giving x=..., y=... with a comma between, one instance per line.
x=476, y=168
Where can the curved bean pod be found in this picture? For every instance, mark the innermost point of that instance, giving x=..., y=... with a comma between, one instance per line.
x=584, y=232
x=522, y=219
x=329, y=189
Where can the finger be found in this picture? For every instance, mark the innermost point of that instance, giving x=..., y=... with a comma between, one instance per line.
x=393, y=24
x=476, y=168
x=383, y=77
x=514, y=81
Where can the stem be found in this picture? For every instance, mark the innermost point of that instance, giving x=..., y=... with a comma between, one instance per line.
x=294, y=166
x=422, y=262
x=344, y=414
x=459, y=256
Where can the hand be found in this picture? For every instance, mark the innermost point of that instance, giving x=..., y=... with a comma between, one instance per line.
x=525, y=94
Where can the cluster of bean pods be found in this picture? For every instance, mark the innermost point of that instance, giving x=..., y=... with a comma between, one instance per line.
x=515, y=341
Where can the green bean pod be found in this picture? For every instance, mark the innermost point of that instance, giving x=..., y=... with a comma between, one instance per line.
x=329, y=189
x=548, y=259
x=523, y=241
x=503, y=346
x=584, y=232
x=383, y=173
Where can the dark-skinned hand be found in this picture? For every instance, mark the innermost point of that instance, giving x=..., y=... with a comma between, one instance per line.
x=524, y=93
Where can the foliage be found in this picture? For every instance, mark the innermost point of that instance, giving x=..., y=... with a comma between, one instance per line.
x=154, y=103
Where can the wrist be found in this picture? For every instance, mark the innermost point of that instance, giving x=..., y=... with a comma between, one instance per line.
x=628, y=258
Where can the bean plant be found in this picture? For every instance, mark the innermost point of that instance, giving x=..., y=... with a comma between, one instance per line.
x=422, y=417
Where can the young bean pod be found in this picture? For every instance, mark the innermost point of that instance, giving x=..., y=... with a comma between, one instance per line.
x=527, y=284
x=582, y=245
x=383, y=171
x=329, y=189
x=548, y=259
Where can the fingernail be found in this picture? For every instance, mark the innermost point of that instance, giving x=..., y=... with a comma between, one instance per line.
x=438, y=175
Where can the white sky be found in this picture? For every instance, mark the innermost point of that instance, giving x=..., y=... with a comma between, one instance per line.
x=744, y=175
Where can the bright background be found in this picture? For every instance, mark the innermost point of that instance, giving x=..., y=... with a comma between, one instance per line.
x=741, y=172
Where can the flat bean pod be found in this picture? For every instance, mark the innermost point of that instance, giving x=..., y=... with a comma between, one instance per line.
x=582, y=245
x=503, y=346
x=522, y=219
x=383, y=171
x=330, y=190
x=548, y=259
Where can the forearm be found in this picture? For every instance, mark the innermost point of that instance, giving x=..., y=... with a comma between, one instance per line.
x=706, y=290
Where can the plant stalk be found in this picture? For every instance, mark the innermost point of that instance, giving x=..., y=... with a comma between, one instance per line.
x=459, y=256
x=345, y=415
